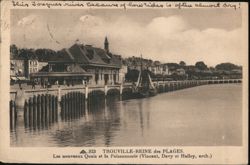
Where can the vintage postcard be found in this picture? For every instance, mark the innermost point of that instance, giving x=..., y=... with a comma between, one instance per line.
x=124, y=82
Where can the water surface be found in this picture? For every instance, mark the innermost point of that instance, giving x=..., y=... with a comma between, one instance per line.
x=209, y=115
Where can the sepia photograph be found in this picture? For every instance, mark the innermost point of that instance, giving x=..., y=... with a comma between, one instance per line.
x=126, y=77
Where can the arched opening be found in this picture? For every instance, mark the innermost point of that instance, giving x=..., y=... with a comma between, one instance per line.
x=113, y=95
x=127, y=93
x=96, y=100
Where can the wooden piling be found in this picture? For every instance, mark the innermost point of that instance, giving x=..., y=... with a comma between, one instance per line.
x=34, y=111
x=56, y=108
x=39, y=107
x=42, y=110
x=80, y=103
x=26, y=114
x=30, y=112
x=73, y=104
x=62, y=113
x=77, y=104
x=67, y=106
x=12, y=114
x=50, y=109
x=75, y=107
x=46, y=115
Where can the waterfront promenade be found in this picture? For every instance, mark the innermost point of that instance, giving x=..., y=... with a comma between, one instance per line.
x=19, y=96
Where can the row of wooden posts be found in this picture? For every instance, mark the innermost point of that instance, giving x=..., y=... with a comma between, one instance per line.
x=38, y=112
x=41, y=110
x=13, y=114
x=177, y=86
x=72, y=105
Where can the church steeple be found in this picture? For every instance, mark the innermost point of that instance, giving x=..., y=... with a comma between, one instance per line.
x=106, y=44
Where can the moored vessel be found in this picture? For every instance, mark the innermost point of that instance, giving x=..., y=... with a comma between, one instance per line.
x=144, y=86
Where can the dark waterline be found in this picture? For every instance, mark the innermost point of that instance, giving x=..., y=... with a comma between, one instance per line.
x=209, y=115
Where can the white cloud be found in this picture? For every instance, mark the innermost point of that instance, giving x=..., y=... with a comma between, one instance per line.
x=165, y=26
x=91, y=21
x=26, y=20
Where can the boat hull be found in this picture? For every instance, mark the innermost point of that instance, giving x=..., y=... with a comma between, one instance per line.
x=144, y=94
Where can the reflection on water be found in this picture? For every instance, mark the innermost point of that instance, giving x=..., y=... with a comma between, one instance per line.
x=205, y=115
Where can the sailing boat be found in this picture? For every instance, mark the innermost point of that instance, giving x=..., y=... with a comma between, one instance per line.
x=144, y=86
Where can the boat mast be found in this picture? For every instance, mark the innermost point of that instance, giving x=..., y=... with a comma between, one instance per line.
x=141, y=71
x=141, y=62
x=139, y=77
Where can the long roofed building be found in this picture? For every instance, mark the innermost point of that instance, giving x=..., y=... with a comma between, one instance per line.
x=83, y=62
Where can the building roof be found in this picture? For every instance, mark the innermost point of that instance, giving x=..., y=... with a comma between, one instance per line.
x=63, y=56
x=45, y=55
x=76, y=70
x=86, y=54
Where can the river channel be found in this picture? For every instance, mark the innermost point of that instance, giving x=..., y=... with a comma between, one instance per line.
x=208, y=115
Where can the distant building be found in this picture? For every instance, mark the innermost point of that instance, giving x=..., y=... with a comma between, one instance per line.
x=156, y=68
x=236, y=71
x=171, y=68
x=32, y=65
x=165, y=70
x=22, y=67
x=138, y=63
x=17, y=67
x=190, y=68
x=42, y=64
x=180, y=71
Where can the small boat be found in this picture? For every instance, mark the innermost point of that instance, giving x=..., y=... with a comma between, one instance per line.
x=144, y=86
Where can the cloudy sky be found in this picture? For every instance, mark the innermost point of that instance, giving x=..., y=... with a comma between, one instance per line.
x=167, y=35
